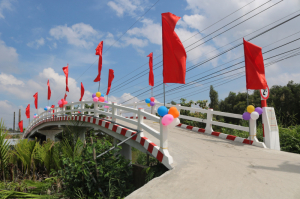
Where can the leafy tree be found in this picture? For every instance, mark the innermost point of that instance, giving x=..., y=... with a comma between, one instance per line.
x=214, y=98
x=4, y=148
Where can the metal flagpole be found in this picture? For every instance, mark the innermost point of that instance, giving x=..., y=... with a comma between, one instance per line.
x=164, y=96
x=99, y=86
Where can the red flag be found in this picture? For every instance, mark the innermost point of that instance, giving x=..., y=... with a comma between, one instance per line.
x=49, y=90
x=99, y=52
x=36, y=100
x=65, y=97
x=151, y=75
x=21, y=126
x=82, y=92
x=28, y=111
x=110, y=79
x=66, y=71
x=255, y=69
x=174, y=55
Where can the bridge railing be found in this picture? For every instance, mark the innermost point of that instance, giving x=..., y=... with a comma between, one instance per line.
x=209, y=118
x=113, y=112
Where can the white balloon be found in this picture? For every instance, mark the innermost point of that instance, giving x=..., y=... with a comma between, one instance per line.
x=174, y=123
x=254, y=115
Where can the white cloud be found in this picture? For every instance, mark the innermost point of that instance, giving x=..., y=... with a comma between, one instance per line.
x=6, y=79
x=125, y=6
x=80, y=34
x=194, y=21
x=5, y=5
x=8, y=58
x=37, y=43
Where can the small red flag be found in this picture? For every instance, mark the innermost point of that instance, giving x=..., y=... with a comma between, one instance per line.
x=65, y=97
x=99, y=52
x=174, y=55
x=53, y=106
x=254, y=67
x=36, y=100
x=49, y=90
x=28, y=111
x=151, y=75
x=66, y=71
x=110, y=79
x=21, y=126
x=82, y=92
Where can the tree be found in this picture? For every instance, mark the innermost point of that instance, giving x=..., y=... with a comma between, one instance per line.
x=214, y=98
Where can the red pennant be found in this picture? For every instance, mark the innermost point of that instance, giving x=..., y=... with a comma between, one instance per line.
x=49, y=90
x=110, y=79
x=174, y=55
x=255, y=69
x=82, y=92
x=66, y=71
x=21, y=126
x=65, y=97
x=36, y=100
x=27, y=112
x=53, y=106
x=151, y=75
x=99, y=52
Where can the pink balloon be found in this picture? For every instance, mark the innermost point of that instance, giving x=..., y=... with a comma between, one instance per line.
x=59, y=102
x=95, y=99
x=167, y=119
x=101, y=99
x=106, y=106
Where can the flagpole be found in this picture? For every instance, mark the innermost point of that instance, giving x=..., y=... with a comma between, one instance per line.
x=247, y=98
x=164, y=96
x=99, y=86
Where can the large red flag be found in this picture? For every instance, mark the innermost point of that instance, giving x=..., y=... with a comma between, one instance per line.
x=255, y=69
x=27, y=112
x=151, y=75
x=99, y=52
x=21, y=126
x=66, y=71
x=36, y=100
x=49, y=90
x=110, y=79
x=82, y=92
x=174, y=55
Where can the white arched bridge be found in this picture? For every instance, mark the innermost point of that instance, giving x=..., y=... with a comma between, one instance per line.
x=201, y=163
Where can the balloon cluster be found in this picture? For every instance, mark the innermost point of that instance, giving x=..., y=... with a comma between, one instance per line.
x=150, y=101
x=98, y=97
x=252, y=113
x=170, y=117
x=62, y=102
x=35, y=115
x=47, y=108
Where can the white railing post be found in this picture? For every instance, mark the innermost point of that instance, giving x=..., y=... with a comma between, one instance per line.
x=82, y=107
x=72, y=108
x=163, y=142
x=252, y=130
x=135, y=106
x=140, y=121
x=208, y=128
x=63, y=110
x=113, y=111
x=96, y=108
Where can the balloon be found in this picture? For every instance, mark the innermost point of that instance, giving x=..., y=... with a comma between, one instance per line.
x=95, y=99
x=59, y=102
x=98, y=94
x=148, y=104
x=152, y=103
x=94, y=95
x=101, y=99
x=162, y=111
x=105, y=101
x=102, y=95
x=34, y=116
x=167, y=119
x=259, y=110
x=174, y=123
x=79, y=111
x=246, y=116
x=173, y=111
x=106, y=106
x=152, y=99
x=147, y=100
x=45, y=108
x=254, y=115
x=250, y=108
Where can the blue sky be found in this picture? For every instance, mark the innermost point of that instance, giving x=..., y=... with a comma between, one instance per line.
x=38, y=38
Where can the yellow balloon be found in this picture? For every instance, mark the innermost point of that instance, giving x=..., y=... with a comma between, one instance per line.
x=250, y=108
x=148, y=104
x=98, y=94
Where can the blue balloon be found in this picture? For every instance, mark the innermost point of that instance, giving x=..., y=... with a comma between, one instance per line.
x=147, y=100
x=162, y=111
x=102, y=95
x=45, y=108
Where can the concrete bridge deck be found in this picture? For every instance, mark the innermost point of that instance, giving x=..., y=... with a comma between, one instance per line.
x=210, y=167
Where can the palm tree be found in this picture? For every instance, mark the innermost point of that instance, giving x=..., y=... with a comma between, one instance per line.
x=4, y=148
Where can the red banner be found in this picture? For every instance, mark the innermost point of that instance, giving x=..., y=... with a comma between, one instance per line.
x=99, y=52
x=27, y=112
x=151, y=75
x=82, y=91
x=110, y=79
x=174, y=55
x=21, y=126
x=66, y=71
x=36, y=100
x=49, y=90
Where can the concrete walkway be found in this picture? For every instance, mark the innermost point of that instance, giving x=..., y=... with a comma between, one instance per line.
x=210, y=167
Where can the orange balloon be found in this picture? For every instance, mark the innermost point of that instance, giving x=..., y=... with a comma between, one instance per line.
x=173, y=111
